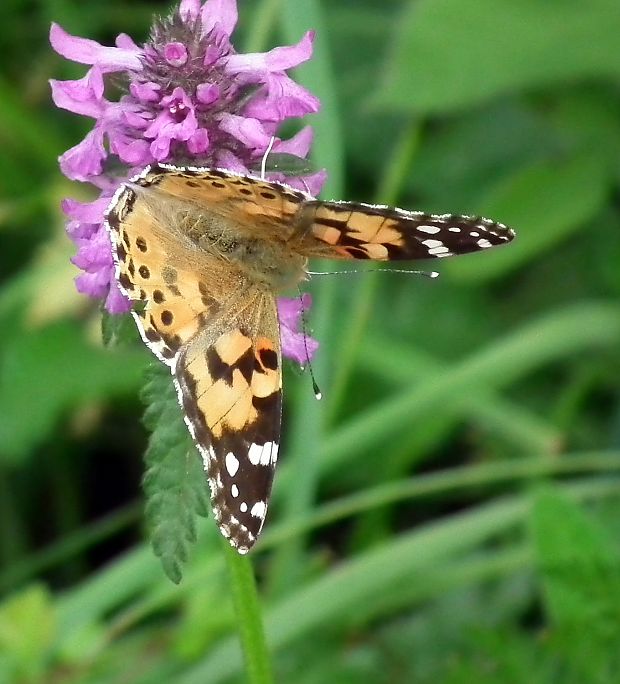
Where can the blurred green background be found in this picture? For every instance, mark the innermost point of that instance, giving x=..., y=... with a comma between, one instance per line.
x=449, y=512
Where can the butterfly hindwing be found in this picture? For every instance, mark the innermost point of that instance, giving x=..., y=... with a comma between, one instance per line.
x=350, y=230
x=230, y=386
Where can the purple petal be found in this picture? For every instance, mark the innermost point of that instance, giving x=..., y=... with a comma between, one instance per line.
x=126, y=43
x=312, y=184
x=84, y=96
x=160, y=148
x=87, y=212
x=116, y=302
x=95, y=284
x=84, y=160
x=189, y=10
x=278, y=59
x=207, y=93
x=284, y=98
x=222, y=13
x=94, y=253
x=248, y=131
x=175, y=54
x=79, y=231
x=137, y=120
x=86, y=51
x=134, y=151
x=299, y=144
x=198, y=141
x=145, y=92
x=225, y=159
x=295, y=345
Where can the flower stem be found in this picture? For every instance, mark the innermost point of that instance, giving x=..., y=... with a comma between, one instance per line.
x=249, y=616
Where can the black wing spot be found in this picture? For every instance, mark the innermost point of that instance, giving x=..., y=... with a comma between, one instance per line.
x=167, y=317
x=144, y=272
x=356, y=253
x=268, y=359
x=158, y=296
x=141, y=244
x=268, y=403
x=220, y=370
x=123, y=279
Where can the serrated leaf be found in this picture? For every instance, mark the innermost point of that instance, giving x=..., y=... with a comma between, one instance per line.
x=580, y=571
x=117, y=329
x=174, y=483
x=449, y=54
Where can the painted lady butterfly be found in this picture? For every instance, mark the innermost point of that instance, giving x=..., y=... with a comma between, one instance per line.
x=207, y=251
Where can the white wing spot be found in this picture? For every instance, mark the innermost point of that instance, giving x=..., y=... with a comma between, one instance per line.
x=483, y=243
x=432, y=244
x=232, y=464
x=474, y=234
x=262, y=453
x=259, y=509
x=243, y=507
x=234, y=490
x=439, y=251
x=431, y=230
x=454, y=229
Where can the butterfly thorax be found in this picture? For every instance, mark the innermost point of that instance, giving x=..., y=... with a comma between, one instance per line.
x=268, y=263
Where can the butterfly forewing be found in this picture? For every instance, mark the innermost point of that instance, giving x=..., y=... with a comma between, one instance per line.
x=177, y=297
x=349, y=230
x=254, y=204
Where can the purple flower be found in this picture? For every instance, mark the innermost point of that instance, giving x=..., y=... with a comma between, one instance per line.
x=290, y=312
x=187, y=98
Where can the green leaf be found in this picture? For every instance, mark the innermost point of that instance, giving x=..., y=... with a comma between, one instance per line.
x=450, y=54
x=45, y=371
x=27, y=629
x=117, y=329
x=580, y=571
x=288, y=164
x=174, y=483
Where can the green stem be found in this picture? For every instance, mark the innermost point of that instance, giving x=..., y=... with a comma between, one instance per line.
x=249, y=616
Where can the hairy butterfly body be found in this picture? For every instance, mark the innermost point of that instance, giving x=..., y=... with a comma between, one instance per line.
x=207, y=252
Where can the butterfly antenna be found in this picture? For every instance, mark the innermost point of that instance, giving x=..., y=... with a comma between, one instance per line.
x=303, y=180
x=263, y=164
x=426, y=274
x=304, y=331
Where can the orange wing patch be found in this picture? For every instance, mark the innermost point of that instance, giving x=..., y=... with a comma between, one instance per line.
x=150, y=268
x=224, y=193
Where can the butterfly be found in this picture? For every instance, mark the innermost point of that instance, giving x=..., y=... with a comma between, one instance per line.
x=206, y=251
